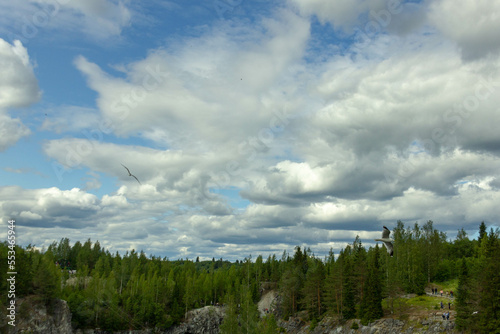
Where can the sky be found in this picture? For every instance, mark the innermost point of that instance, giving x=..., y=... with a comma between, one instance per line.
x=253, y=126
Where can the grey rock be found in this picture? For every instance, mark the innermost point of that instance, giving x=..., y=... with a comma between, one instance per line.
x=33, y=316
x=206, y=320
x=331, y=325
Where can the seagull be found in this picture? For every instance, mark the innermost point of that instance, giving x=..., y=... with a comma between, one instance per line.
x=130, y=174
x=387, y=241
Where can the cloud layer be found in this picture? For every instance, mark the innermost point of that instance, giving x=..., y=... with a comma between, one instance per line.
x=253, y=135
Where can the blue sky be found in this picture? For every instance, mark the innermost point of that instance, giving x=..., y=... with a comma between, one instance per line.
x=253, y=126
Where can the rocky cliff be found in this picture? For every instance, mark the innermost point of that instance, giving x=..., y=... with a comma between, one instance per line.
x=34, y=316
x=381, y=326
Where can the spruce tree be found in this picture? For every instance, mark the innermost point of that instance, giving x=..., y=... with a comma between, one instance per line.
x=489, y=282
x=348, y=302
x=463, y=306
x=313, y=288
x=371, y=303
x=482, y=232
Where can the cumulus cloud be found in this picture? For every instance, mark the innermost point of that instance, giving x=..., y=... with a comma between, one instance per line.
x=202, y=93
x=169, y=179
x=18, y=88
x=49, y=207
x=389, y=132
x=472, y=25
x=18, y=85
x=247, y=140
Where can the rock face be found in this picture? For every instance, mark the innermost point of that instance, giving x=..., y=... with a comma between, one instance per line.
x=267, y=302
x=204, y=320
x=34, y=317
x=382, y=326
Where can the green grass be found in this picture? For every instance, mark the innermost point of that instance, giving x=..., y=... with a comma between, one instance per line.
x=426, y=302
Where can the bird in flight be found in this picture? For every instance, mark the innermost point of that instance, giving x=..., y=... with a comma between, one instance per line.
x=130, y=174
x=387, y=241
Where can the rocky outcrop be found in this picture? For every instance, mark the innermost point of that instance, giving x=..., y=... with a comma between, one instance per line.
x=382, y=326
x=34, y=316
x=204, y=320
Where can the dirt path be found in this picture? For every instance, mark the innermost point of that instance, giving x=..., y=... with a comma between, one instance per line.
x=265, y=301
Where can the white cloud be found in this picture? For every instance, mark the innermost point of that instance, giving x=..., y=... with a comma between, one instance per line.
x=49, y=207
x=18, y=85
x=472, y=24
x=18, y=88
x=249, y=140
x=205, y=90
x=95, y=19
x=366, y=150
x=11, y=130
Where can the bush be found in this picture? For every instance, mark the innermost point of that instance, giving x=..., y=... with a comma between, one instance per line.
x=354, y=325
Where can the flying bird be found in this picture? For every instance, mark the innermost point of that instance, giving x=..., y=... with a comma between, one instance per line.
x=387, y=241
x=130, y=174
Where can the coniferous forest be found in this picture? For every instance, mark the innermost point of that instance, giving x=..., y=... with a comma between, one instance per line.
x=135, y=290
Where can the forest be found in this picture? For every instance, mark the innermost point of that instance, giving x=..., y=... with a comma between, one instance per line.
x=137, y=291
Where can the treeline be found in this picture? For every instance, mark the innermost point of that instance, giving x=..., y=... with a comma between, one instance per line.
x=135, y=291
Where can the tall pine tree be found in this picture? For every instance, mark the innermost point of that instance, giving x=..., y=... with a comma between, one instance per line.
x=463, y=304
x=371, y=303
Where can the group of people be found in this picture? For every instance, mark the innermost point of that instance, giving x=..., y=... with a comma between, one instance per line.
x=435, y=292
x=446, y=316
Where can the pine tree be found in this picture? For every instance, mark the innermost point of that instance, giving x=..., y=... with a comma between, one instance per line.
x=230, y=323
x=371, y=304
x=348, y=309
x=313, y=288
x=47, y=277
x=482, y=232
x=268, y=325
x=249, y=314
x=463, y=305
x=489, y=287
x=291, y=282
